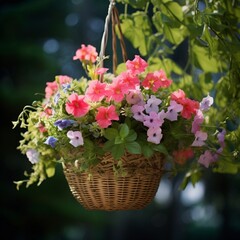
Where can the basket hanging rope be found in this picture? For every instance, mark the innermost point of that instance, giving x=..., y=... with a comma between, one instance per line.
x=102, y=189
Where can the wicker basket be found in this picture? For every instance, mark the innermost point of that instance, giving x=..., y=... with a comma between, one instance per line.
x=106, y=191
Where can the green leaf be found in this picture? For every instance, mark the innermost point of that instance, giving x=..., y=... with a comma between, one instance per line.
x=160, y=148
x=118, y=140
x=227, y=167
x=124, y=130
x=50, y=171
x=110, y=133
x=117, y=151
x=175, y=35
x=136, y=28
x=203, y=61
x=174, y=9
x=108, y=145
x=134, y=148
x=147, y=150
x=15, y=123
x=132, y=136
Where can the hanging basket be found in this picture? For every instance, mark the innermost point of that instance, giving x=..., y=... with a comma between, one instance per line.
x=102, y=189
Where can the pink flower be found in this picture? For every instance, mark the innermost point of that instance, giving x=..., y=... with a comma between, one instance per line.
x=197, y=121
x=129, y=80
x=134, y=97
x=96, y=91
x=116, y=90
x=190, y=107
x=178, y=96
x=137, y=111
x=63, y=79
x=200, y=137
x=152, y=104
x=154, y=135
x=86, y=53
x=173, y=110
x=164, y=81
x=156, y=80
x=206, y=159
x=182, y=155
x=137, y=65
x=101, y=71
x=50, y=89
x=76, y=105
x=105, y=115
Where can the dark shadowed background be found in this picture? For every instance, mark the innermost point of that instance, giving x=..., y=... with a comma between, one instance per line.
x=38, y=39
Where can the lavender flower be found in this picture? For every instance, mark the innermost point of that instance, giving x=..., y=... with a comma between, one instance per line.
x=75, y=137
x=206, y=103
x=32, y=155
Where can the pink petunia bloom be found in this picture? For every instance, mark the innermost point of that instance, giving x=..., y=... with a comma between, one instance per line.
x=154, y=120
x=100, y=71
x=154, y=135
x=105, y=115
x=116, y=90
x=137, y=65
x=152, y=104
x=131, y=81
x=134, y=97
x=86, y=54
x=173, y=110
x=190, y=108
x=137, y=111
x=200, y=137
x=156, y=80
x=197, y=121
x=96, y=91
x=164, y=81
x=182, y=155
x=50, y=89
x=63, y=79
x=178, y=96
x=76, y=105
x=206, y=159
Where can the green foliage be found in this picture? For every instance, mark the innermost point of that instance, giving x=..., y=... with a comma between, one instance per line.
x=210, y=30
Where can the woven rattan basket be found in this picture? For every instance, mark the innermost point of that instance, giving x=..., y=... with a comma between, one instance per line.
x=103, y=190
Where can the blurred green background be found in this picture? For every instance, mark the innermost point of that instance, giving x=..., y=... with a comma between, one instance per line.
x=38, y=40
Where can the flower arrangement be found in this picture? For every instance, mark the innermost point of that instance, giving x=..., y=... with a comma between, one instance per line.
x=137, y=111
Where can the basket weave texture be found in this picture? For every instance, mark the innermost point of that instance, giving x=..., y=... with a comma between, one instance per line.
x=106, y=191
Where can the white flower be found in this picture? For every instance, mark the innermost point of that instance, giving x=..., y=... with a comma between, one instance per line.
x=75, y=137
x=32, y=155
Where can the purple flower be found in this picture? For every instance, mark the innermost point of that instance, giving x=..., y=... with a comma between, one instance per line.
x=134, y=97
x=152, y=104
x=206, y=103
x=173, y=110
x=221, y=138
x=33, y=155
x=51, y=141
x=154, y=135
x=154, y=120
x=63, y=123
x=197, y=121
x=56, y=97
x=75, y=137
x=206, y=158
x=200, y=137
x=137, y=111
